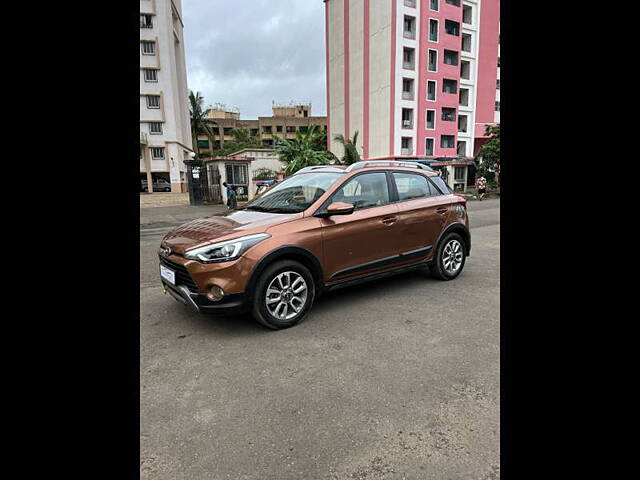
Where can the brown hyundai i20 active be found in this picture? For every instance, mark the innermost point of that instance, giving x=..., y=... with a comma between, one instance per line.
x=323, y=228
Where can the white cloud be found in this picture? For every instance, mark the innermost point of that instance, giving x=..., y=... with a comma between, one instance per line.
x=246, y=53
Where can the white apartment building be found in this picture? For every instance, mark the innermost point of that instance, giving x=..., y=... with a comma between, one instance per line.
x=165, y=132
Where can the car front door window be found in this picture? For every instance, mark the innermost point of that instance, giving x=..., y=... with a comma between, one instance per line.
x=365, y=191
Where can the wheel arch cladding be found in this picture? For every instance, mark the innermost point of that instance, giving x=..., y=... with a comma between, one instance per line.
x=463, y=231
x=288, y=252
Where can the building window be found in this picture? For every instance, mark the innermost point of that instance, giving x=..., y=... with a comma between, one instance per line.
x=467, y=14
x=227, y=131
x=146, y=21
x=266, y=129
x=464, y=97
x=406, y=146
x=279, y=128
x=153, y=101
x=497, y=106
x=463, y=122
x=447, y=141
x=407, y=118
x=428, y=146
x=498, y=84
x=452, y=28
x=433, y=61
x=433, y=5
x=453, y=2
x=407, y=88
x=433, y=30
x=148, y=48
x=157, y=153
x=155, y=128
x=409, y=27
x=203, y=144
x=465, y=69
x=408, y=56
x=450, y=57
x=431, y=120
x=449, y=86
x=150, y=75
x=458, y=172
x=498, y=62
x=448, y=114
x=431, y=90
x=466, y=42
x=291, y=129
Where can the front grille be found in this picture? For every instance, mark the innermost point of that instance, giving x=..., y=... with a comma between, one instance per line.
x=182, y=275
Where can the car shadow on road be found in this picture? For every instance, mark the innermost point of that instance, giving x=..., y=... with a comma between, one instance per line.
x=329, y=303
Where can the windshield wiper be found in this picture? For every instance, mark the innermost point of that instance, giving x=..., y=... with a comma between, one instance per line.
x=272, y=210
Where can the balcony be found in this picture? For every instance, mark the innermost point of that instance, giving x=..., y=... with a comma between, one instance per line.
x=143, y=138
x=410, y=3
x=406, y=151
x=407, y=95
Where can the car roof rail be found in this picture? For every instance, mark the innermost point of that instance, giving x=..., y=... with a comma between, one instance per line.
x=314, y=167
x=386, y=163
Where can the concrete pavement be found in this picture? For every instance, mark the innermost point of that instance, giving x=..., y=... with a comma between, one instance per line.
x=395, y=379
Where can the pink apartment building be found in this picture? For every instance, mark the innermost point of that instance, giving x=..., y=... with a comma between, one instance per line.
x=415, y=78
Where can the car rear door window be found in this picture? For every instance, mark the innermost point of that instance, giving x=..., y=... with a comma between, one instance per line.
x=364, y=191
x=440, y=183
x=411, y=185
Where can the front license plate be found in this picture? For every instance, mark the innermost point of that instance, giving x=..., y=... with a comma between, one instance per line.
x=168, y=274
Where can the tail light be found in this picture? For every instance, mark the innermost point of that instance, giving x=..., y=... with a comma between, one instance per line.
x=462, y=200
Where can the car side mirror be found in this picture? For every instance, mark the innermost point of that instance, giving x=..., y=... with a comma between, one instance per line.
x=340, y=208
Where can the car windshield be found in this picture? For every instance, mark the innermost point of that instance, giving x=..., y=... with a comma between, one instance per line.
x=294, y=194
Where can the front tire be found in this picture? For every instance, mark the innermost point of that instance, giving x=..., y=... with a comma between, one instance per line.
x=449, y=258
x=284, y=294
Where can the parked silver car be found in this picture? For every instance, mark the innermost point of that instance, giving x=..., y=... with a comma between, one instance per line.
x=159, y=185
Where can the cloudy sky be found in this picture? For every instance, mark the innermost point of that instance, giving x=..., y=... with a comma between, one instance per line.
x=246, y=53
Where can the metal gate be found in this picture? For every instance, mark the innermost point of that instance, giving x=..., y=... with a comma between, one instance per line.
x=201, y=190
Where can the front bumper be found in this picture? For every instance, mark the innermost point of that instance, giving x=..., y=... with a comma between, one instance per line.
x=234, y=303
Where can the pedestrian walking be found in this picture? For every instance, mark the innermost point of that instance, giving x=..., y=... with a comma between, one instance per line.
x=481, y=185
x=232, y=202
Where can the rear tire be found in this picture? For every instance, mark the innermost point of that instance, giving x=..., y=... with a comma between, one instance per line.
x=283, y=295
x=449, y=257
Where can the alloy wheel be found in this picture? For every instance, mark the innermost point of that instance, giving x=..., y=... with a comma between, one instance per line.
x=452, y=256
x=286, y=295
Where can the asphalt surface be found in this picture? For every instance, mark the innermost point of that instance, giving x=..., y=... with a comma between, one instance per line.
x=395, y=379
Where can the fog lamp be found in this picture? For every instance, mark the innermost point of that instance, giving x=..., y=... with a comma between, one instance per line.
x=215, y=293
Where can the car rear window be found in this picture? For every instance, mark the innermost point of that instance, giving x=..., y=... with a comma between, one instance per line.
x=440, y=183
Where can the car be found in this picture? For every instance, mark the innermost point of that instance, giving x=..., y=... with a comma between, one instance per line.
x=323, y=228
x=159, y=185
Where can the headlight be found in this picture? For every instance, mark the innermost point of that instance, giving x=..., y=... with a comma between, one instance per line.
x=225, y=251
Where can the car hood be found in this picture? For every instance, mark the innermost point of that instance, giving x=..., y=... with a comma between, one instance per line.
x=218, y=228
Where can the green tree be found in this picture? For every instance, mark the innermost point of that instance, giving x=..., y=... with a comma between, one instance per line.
x=241, y=136
x=489, y=153
x=319, y=140
x=349, y=146
x=199, y=122
x=299, y=152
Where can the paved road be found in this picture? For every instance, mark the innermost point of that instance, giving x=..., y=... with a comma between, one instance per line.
x=396, y=379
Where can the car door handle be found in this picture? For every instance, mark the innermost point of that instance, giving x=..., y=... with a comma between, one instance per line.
x=442, y=211
x=389, y=220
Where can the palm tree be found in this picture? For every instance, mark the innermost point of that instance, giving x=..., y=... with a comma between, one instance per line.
x=241, y=137
x=298, y=152
x=199, y=122
x=351, y=154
